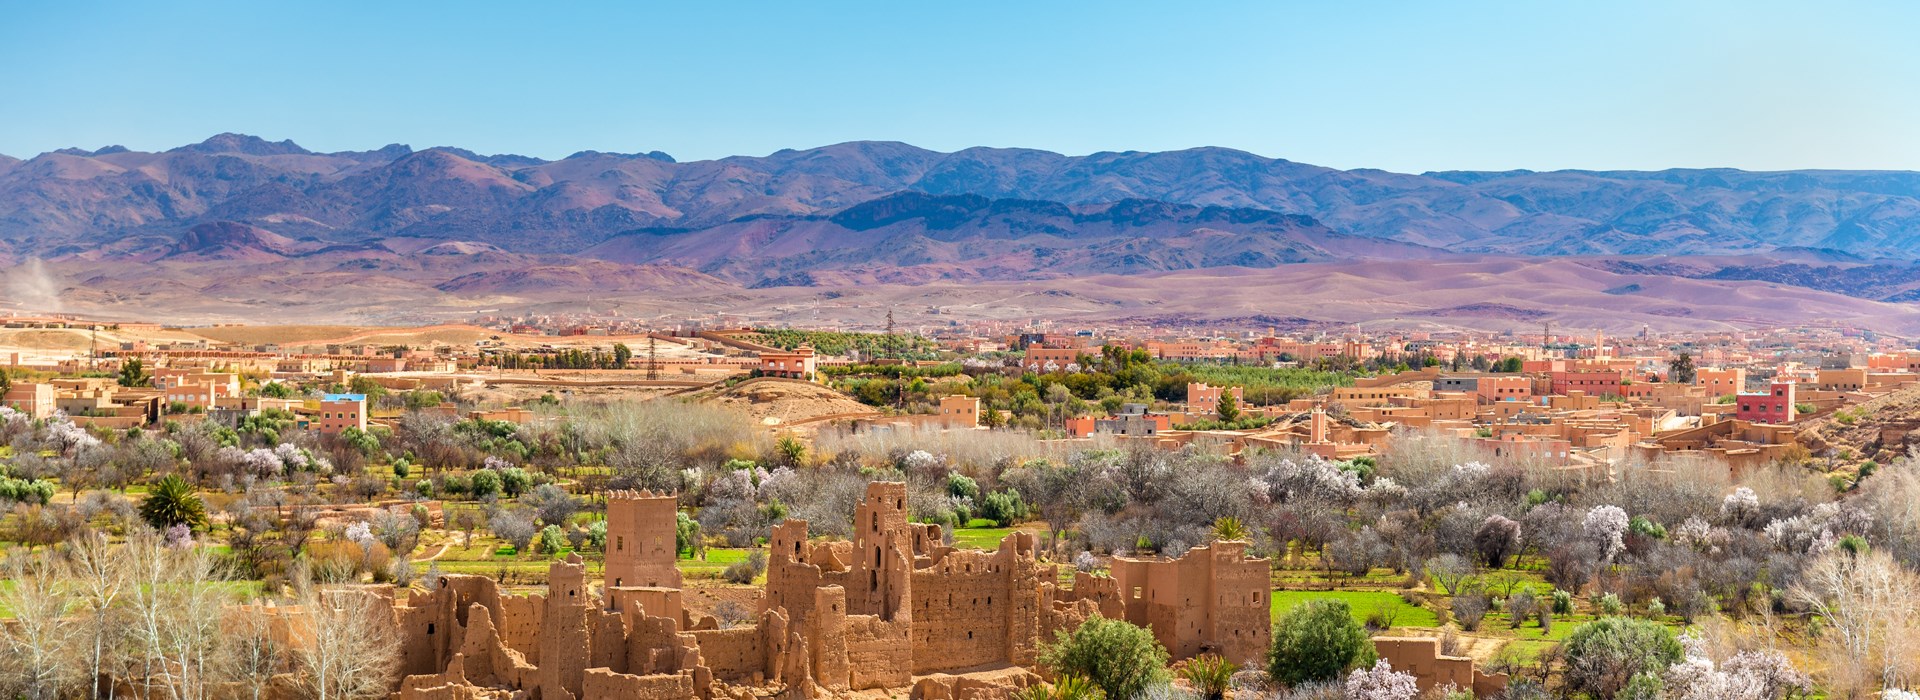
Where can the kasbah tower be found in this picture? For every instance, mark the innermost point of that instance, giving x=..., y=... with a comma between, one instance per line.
x=642, y=542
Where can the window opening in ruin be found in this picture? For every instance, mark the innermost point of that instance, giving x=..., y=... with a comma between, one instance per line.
x=429, y=628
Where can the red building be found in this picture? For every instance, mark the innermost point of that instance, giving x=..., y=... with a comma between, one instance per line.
x=799, y=364
x=1773, y=406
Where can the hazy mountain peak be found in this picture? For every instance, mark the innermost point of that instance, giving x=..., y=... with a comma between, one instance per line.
x=653, y=155
x=244, y=144
x=506, y=160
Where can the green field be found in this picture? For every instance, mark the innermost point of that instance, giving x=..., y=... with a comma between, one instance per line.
x=717, y=561
x=1360, y=604
x=979, y=537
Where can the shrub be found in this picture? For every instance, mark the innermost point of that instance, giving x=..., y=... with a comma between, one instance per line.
x=1004, y=508
x=551, y=504
x=553, y=540
x=1118, y=657
x=597, y=535
x=745, y=571
x=1562, y=603
x=1469, y=609
x=1520, y=607
x=962, y=486
x=1497, y=539
x=1210, y=675
x=1318, y=641
x=1610, y=604
x=515, y=528
x=1608, y=654
x=483, y=483
x=514, y=481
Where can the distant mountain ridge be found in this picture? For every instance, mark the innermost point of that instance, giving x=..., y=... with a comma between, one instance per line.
x=67, y=200
x=241, y=222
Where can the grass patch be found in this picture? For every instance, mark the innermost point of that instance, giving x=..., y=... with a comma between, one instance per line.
x=1360, y=604
x=980, y=537
x=718, y=559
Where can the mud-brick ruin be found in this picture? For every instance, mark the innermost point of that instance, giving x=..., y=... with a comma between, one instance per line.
x=892, y=608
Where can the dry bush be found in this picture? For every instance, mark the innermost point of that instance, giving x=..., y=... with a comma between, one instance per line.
x=649, y=443
x=1871, y=606
x=977, y=454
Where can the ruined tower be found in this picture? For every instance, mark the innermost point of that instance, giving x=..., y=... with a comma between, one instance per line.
x=641, y=540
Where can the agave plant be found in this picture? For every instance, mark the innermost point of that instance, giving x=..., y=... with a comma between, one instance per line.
x=1210, y=675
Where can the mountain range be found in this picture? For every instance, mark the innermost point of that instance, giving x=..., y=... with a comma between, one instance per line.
x=452, y=224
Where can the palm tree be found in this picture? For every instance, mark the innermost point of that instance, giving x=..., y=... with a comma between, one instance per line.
x=170, y=501
x=1229, y=528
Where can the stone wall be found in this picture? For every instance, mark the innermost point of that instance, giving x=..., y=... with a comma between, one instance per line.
x=1421, y=657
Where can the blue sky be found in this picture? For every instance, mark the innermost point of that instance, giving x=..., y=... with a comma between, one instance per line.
x=1402, y=86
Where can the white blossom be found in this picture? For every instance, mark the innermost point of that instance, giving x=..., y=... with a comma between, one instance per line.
x=1740, y=503
x=1818, y=529
x=359, y=533
x=1607, y=526
x=1288, y=480
x=263, y=462
x=1472, y=470
x=1748, y=675
x=1381, y=683
x=918, y=460
x=291, y=456
x=69, y=437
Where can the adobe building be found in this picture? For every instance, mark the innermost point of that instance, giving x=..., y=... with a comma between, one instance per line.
x=1212, y=600
x=958, y=411
x=38, y=401
x=642, y=540
x=1721, y=382
x=1040, y=358
x=339, y=412
x=797, y=364
x=893, y=608
x=1204, y=399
